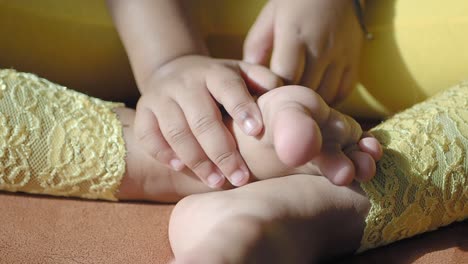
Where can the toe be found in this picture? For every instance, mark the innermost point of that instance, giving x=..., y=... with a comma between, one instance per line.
x=371, y=146
x=297, y=137
x=364, y=164
x=336, y=166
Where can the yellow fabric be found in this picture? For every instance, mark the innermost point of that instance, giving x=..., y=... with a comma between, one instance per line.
x=422, y=179
x=56, y=141
x=419, y=46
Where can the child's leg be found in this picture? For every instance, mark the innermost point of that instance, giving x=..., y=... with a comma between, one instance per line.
x=59, y=142
x=421, y=184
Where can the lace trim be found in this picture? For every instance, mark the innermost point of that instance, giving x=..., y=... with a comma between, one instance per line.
x=57, y=141
x=421, y=182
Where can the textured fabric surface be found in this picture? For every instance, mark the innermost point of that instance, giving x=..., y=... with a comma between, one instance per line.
x=422, y=179
x=38, y=229
x=447, y=245
x=57, y=141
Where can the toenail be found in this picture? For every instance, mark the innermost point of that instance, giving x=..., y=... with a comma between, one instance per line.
x=214, y=180
x=238, y=177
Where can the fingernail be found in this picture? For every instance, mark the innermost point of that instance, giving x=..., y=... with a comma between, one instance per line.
x=214, y=180
x=250, y=125
x=238, y=177
x=177, y=164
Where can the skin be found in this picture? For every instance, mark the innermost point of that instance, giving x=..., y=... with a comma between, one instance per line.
x=331, y=144
x=280, y=220
x=292, y=219
x=314, y=43
x=181, y=86
x=178, y=122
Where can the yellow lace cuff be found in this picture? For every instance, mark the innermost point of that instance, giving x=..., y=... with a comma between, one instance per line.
x=421, y=182
x=57, y=141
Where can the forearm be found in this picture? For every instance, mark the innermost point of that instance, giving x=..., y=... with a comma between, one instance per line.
x=153, y=33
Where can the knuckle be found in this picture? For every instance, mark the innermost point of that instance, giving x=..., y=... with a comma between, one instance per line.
x=230, y=87
x=240, y=108
x=224, y=158
x=321, y=48
x=203, y=124
x=149, y=142
x=197, y=162
x=155, y=152
x=177, y=134
x=232, y=83
x=299, y=32
x=144, y=136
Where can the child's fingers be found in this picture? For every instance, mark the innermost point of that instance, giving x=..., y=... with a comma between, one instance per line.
x=207, y=126
x=259, y=79
x=230, y=90
x=288, y=56
x=347, y=83
x=178, y=134
x=313, y=71
x=150, y=138
x=328, y=87
x=259, y=41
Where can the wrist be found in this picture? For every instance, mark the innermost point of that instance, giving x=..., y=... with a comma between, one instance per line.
x=145, y=75
x=160, y=70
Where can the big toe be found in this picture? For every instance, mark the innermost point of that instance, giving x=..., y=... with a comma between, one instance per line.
x=297, y=137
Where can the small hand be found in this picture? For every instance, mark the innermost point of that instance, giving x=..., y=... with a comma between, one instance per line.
x=315, y=43
x=178, y=121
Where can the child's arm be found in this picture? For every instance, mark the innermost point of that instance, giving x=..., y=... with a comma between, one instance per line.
x=178, y=121
x=315, y=43
x=154, y=33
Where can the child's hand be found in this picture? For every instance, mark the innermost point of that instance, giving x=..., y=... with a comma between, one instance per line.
x=315, y=43
x=178, y=121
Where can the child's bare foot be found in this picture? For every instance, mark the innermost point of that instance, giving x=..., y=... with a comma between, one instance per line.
x=299, y=128
x=293, y=219
x=304, y=130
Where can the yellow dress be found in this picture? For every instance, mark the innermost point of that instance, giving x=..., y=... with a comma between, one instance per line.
x=419, y=47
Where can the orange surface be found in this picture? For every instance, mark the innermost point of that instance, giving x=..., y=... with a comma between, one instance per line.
x=36, y=229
